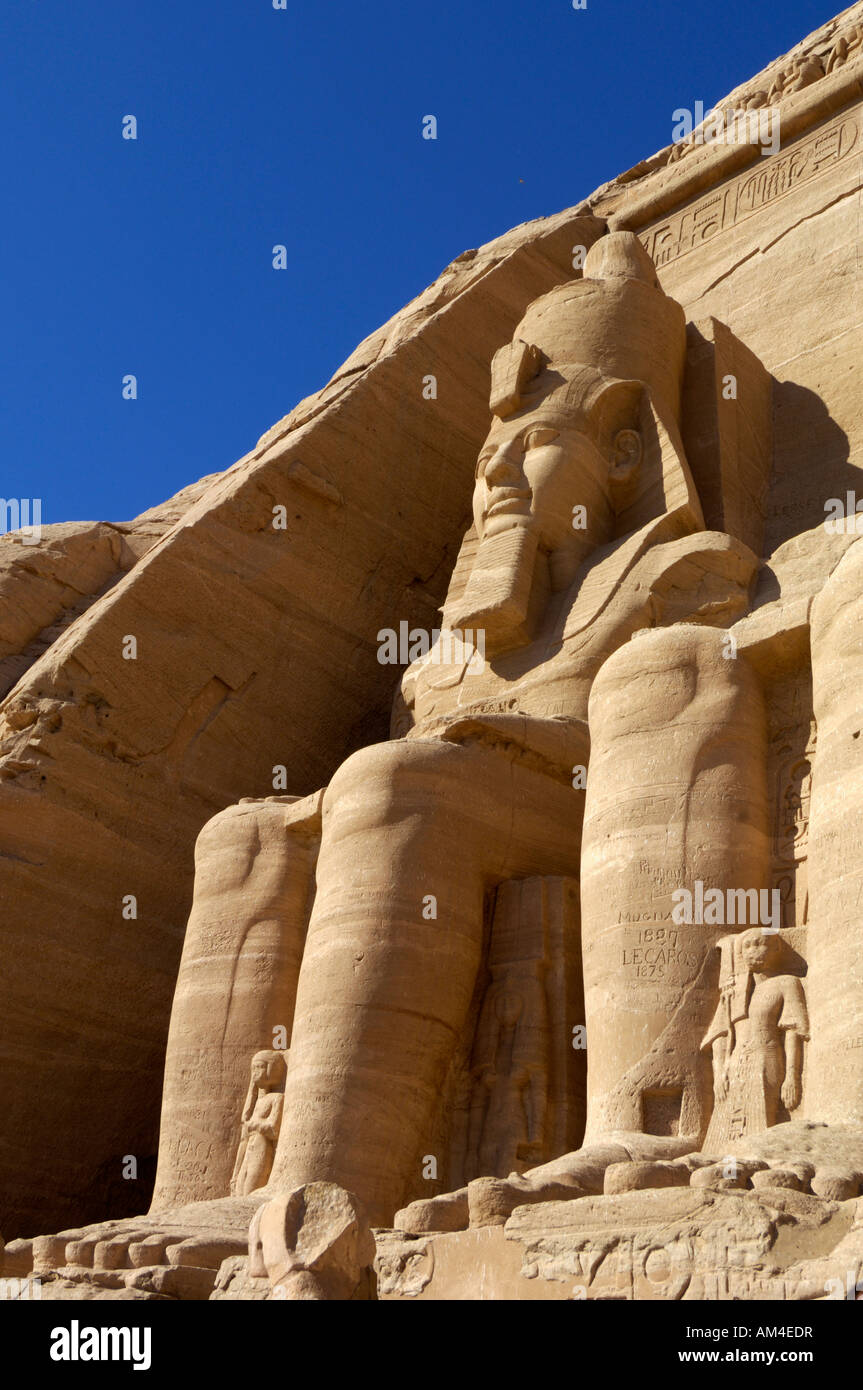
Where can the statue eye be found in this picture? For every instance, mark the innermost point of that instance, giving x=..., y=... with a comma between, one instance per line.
x=535, y=439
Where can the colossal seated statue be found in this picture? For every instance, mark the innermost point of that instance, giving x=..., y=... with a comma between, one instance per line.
x=436, y=934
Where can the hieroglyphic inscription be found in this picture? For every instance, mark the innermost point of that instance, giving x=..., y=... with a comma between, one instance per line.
x=770, y=180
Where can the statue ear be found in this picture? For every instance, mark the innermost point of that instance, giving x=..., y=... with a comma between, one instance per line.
x=617, y=409
x=627, y=451
x=662, y=485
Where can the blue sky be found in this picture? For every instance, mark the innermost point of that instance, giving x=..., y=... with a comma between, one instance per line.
x=300, y=126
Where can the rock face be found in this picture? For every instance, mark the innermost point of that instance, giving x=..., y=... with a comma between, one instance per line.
x=567, y=960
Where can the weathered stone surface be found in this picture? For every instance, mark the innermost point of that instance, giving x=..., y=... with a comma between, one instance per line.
x=16, y=1258
x=659, y=1245
x=313, y=1244
x=60, y=1290
x=50, y=575
x=836, y=1184
x=778, y=1177
x=177, y=1255
x=403, y=1266
x=634, y=1177
x=448, y=1212
x=730, y=1175
x=234, y=1284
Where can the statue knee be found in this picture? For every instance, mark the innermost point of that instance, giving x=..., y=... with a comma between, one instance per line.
x=680, y=666
x=253, y=840
x=378, y=784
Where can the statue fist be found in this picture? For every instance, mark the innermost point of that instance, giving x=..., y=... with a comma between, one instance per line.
x=790, y=1093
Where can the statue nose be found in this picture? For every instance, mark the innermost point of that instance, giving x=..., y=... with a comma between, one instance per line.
x=504, y=467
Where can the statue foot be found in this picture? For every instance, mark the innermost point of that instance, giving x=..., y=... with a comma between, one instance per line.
x=448, y=1212
x=579, y=1174
x=492, y=1200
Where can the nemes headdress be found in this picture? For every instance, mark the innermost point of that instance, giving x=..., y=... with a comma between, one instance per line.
x=609, y=345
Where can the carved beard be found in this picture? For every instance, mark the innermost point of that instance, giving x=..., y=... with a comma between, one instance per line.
x=507, y=591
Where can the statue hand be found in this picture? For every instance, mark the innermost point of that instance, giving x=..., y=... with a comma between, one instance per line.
x=561, y=743
x=720, y=1085
x=790, y=1092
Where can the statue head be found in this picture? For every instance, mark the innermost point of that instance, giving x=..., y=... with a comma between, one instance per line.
x=581, y=442
x=759, y=950
x=268, y=1070
x=584, y=446
x=508, y=1007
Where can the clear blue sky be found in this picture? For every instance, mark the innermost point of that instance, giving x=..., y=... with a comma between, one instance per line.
x=299, y=126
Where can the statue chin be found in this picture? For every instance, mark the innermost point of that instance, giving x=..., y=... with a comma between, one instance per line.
x=507, y=590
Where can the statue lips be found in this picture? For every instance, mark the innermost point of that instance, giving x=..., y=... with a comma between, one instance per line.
x=509, y=500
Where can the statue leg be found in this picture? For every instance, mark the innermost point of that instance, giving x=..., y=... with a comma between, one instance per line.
x=414, y=832
x=254, y=866
x=676, y=800
x=256, y=1165
x=676, y=792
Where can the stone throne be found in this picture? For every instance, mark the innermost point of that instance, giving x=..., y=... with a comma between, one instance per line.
x=431, y=1045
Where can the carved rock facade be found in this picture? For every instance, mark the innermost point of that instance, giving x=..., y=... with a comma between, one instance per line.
x=564, y=975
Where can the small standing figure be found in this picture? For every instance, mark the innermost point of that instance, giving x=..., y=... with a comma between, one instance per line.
x=756, y=1037
x=262, y=1116
x=510, y=1076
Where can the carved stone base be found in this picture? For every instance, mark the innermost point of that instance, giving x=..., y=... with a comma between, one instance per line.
x=665, y=1244
x=782, y=1218
x=176, y=1254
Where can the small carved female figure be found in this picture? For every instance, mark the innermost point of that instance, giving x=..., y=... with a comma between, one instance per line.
x=756, y=1036
x=262, y=1116
x=510, y=1098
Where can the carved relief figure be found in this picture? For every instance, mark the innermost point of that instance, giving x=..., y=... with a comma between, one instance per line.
x=509, y=1100
x=262, y=1118
x=756, y=1037
x=790, y=853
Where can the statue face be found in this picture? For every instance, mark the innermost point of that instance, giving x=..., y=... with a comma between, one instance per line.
x=532, y=471
x=267, y=1068
x=758, y=949
x=261, y=1071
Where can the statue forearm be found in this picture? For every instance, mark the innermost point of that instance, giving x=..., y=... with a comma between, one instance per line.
x=720, y=1067
x=791, y=1088
x=560, y=745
